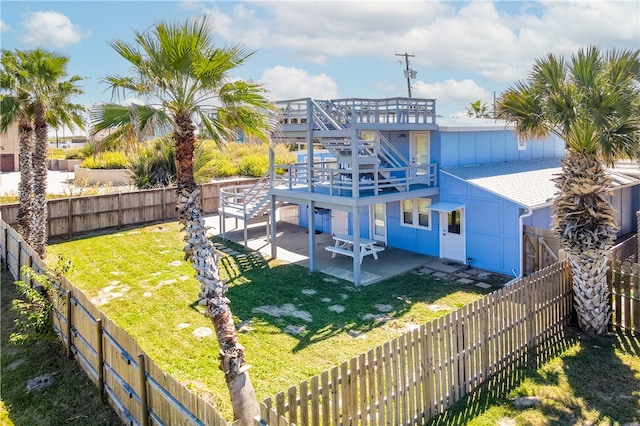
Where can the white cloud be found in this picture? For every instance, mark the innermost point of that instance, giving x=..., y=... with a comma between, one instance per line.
x=4, y=27
x=50, y=29
x=497, y=40
x=451, y=94
x=291, y=83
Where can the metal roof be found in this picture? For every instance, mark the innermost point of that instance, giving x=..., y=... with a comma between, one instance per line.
x=528, y=183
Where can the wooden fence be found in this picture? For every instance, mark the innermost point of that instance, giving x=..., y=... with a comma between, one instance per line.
x=133, y=384
x=79, y=215
x=426, y=370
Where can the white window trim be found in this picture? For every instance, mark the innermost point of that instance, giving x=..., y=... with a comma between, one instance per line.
x=416, y=217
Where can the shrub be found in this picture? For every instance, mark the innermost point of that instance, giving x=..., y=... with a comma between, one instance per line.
x=155, y=166
x=36, y=309
x=254, y=165
x=73, y=154
x=106, y=160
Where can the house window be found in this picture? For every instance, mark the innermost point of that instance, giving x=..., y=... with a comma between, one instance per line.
x=416, y=213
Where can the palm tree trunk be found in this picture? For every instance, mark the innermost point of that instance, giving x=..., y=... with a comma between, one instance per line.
x=590, y=291
x=213, y=290
x=25, y=187
x=585, y=223
x=38, y=237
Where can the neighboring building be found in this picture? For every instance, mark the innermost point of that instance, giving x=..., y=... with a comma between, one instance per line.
x=385, y=170
x=9, y=149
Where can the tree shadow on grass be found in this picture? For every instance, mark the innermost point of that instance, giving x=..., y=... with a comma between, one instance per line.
x=603, y=376
x=581, y=379
x=330, y=306
x=496, y=390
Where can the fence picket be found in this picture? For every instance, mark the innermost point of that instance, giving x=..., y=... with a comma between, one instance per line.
x=293, y=404
x=371, y=381
x=326, y=398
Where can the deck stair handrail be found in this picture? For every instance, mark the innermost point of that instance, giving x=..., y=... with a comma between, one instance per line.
x=246, y=201
x=325, y=114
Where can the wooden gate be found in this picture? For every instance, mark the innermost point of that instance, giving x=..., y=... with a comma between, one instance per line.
x=541, y=249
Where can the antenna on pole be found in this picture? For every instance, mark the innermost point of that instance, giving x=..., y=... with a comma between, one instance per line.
x=408, y=72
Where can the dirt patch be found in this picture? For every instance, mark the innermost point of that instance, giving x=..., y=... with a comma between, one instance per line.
x=110, y=292
x=286, y=310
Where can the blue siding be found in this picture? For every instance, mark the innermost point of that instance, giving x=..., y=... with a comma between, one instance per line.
x=464, y=148
x=322, y=219
x=491, y=226
x=412, y=239
x=541, y=218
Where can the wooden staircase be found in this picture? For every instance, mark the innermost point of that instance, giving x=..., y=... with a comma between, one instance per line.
x=249, y=203
x=373, y=159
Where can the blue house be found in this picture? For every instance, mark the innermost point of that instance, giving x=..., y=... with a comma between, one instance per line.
x=386, y=173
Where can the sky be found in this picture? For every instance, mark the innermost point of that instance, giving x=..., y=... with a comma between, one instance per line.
x=461, y=51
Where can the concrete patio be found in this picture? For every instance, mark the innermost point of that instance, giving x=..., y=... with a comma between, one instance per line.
x=293, y=247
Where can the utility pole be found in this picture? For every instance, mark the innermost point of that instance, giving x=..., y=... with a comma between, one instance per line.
x=408, y=73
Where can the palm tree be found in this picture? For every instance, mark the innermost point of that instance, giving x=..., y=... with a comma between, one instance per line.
x=15, y=106
x=592, y=102
x=179, y=67
x=478, y=109
x=50, y=95
x=39, y=96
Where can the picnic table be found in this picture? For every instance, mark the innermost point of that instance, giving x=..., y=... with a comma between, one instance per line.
x=344, y=246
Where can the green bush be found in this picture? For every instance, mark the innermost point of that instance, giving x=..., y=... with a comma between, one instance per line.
x=216, y=168
x=254, y=165
x=106, y=160
x=155, y=166
x=35, y=310
x=73, y=154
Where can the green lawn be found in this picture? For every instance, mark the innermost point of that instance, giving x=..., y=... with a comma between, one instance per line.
x=72, y=399
x=587, y=380
x=158, y=307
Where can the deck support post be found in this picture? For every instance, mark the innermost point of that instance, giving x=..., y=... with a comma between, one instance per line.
x=355, y=220
x=272, y=213
x=312, y=235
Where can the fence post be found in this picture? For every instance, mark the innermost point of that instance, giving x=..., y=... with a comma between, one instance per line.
x=67, y=331
x=163, y=202
x=49, y=220
x=100, y=355
x=529, y=304
x=5, y=254
x=70, y=217
x=19, y=259
x=484, y=333
x=119, y=210
x=30, y=266
x=143, y=391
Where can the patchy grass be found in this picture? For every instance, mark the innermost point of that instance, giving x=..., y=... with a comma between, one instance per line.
x=591, y=380
x=329, y=320
x=72, y=399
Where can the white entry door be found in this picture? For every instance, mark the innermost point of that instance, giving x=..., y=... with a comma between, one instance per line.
x=452, y=240
x=419, y=152
x=379, y=222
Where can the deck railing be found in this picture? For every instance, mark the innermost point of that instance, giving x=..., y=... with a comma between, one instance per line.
x=340, y=182
x=344, y=113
